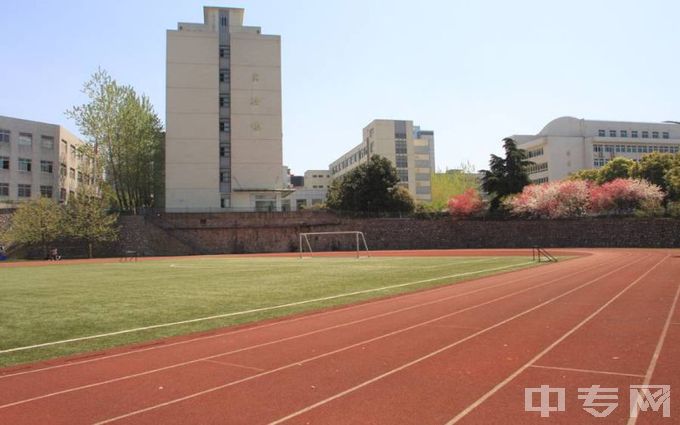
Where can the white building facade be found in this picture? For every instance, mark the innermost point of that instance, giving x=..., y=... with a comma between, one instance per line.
x=567, y=144
x=39, y=160
x=408, y=147
x=223, y=116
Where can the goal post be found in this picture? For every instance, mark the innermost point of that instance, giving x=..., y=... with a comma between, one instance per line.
x=359, y=240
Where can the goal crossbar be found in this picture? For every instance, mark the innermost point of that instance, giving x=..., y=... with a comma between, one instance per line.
x=359, y=239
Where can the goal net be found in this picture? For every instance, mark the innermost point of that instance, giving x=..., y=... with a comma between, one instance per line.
x=333, y=241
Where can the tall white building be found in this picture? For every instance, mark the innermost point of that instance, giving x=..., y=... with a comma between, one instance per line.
x=223, y=116
x=409, y=148
x=568, y=144
x=39, y=160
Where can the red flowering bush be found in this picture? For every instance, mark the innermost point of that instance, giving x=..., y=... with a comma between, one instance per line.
x=624, y=196
x=467, y=204
x=567, y=198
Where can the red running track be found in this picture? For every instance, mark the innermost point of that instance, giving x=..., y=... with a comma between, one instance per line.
x=457, y=354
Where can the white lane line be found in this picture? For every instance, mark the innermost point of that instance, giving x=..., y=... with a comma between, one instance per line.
x=257, y=369
x=657, y=350
x=599, y=372
x=440, y=350
x=330, y=353
x=312, y=316
x=260, y=309
x=290, y=338
x=507, y=380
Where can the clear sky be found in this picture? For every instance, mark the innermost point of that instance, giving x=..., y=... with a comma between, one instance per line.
x=472, y=71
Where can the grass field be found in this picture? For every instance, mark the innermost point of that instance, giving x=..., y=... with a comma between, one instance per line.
x=52, y=303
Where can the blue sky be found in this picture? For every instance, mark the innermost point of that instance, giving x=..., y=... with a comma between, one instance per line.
x=472, y=71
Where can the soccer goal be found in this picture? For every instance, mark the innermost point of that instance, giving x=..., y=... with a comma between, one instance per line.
x=355, y=239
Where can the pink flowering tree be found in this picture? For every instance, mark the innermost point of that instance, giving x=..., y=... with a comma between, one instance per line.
x=625, y=196
x=561, y=199
x=467, y=204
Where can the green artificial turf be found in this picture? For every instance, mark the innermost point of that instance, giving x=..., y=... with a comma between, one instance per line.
x=57, y=302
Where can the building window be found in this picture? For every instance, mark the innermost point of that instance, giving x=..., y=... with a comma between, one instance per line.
x=655, y=134
x=73, y=152
x=402, y=161
x=4, y=189
x=4, y=135
x=80, y=177
x=62, y=170
x=224, y=51
x=666, y=135
x=224, y=76
x=25, y=165
x=224, y=101
x=601, y=133
x=72, y=173
x=224, y=126
x=64, y=146
x=62, y=195
x=634, y=134
x=535, y=152
x=46, y=191
x=612, y=133
x=403, y=175
x=25, y=139
x=223, y=21
x=47, y=142
x=24, y=191
x=4, y=163
x=224, y=177
x=46, y=166
x=624, y=133
x=645, y=134
x=224, y=151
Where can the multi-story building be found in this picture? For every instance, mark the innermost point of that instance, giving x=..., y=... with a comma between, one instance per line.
x=409, y=148
x=223, y=115
x=570, y=144
x=313, y=191
x=39, y=160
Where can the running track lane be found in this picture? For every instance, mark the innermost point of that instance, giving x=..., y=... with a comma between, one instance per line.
x=585, y=286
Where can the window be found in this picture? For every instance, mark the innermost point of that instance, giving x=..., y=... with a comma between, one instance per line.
x=645, y=134
x=403, y=175
x=598, y=148
x=72, y=173
x=402, y=161
x=47, y=142
x=224, y=101
x=25, y=165
x=4, y=189
x=4, y=135
x=4, y=163
x=25, y=139
x=634, y=133
x=224, y=125
x=24, y=191
x=224, y=177
x=537, y=168
x=46, y=191
x=655, y=134
x=62, y=195
x=666, y=135
x=224, y=75
x=80, y=177
x=612, y=133
x=224, y=151
x=46, y=166
x=223, y=21
x=62, y=170
x=73, y=152
x=601, y=133
x=624, y=133
x=224, y=51
x=64, y=146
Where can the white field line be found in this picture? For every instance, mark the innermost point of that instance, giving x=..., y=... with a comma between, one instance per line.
x=599, y=372
x=258, y=310
x=317, y=331
x=440, y=350
x=330, y=353
x=253, y=328
x=657, y=350
x=515, y=374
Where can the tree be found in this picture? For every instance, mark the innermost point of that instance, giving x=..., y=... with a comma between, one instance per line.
x=653, y=167
x=560, y=199
x=467, y=204
x=370, y=187
x=617, y=168
x=451, y=183
x=625, y=196
x=126, y=137
x=39, y=221
x=506, y=176
x=88, y=220
x=588, y=174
